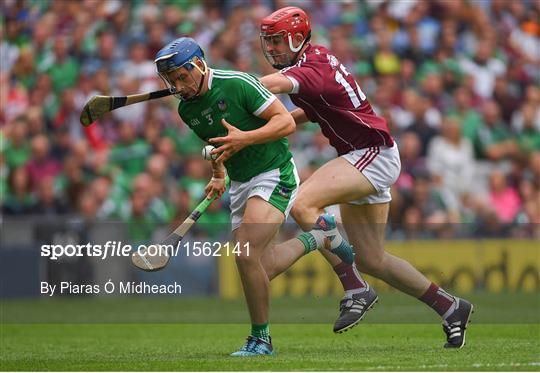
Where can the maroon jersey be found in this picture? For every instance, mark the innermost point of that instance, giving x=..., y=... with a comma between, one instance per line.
x=330, y=96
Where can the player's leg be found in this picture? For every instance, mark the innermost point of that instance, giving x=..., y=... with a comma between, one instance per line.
x=329, y=185
x=279, y=258
x=365, y=221
x=261, y=222
x=258, y=208
x=365, y=226
x=333, y=183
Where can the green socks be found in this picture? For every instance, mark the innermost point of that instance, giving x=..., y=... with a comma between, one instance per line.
x=261, y=331
x=312, y=240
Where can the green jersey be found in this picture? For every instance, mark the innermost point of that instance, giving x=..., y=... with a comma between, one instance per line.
x=238, y=98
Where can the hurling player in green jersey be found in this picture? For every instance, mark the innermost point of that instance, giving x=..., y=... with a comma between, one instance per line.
x=248, y=125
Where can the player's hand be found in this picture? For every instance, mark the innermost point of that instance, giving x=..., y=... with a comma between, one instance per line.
x=215, y=187
x=235, y=141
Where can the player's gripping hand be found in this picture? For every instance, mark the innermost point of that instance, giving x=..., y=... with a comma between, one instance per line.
x=215, y=187
x=235, y=141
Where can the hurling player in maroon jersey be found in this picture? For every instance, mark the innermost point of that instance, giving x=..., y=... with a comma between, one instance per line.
x=359, y=180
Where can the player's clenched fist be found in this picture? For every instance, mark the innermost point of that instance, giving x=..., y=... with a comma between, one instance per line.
x=215, y=187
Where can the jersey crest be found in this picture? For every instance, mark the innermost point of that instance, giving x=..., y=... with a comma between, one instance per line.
x=222, y=105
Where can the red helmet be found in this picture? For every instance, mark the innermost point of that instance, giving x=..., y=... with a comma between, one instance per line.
x=285, y=22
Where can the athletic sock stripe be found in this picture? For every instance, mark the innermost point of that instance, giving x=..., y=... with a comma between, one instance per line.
x=366, y=163
x=363, y=157
x=443, y=293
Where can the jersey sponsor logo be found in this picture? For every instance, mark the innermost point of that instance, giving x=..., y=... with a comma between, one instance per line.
x=206, y=111
x=222, y=105
x=194, y=122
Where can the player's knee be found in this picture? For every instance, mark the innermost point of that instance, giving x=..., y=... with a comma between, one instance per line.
x=372, y=265
x=243, y=258
x=302, y=213
x=295, y=213
x=245, y=255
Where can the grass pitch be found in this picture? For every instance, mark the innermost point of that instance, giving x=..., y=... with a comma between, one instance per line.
x=152, y=338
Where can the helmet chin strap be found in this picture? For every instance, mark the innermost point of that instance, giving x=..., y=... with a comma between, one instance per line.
x=203, y=74
x=201, y=81
x=296, y=50
x=293, y=49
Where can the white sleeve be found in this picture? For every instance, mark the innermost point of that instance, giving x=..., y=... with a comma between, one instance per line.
x=295, y=84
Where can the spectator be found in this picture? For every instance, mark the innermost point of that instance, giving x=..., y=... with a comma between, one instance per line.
x=494, y=141
x=506, y=96
x=411, y=162
x=503, y=199
x=63, y=69
x=424, y=123
x=17, y=148
x=528, y=138
x=469, y=118
x=71, y=182
x=130, y=153
x=47, y=203
x=41, y=165
x=450, y=159
x=484, y=68
x=18, y=199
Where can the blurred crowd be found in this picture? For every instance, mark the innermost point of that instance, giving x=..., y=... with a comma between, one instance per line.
x=458, y=82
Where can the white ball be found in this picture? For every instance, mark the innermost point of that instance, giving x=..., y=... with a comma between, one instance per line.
x=206, y=153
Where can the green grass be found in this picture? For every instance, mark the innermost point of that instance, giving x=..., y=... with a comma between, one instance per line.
x=175, y=334
x=163, y=347
x=393, y=307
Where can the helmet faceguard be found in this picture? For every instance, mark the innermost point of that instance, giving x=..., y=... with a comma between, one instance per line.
x=177, y=58
x=277, y=33
x=189, y=66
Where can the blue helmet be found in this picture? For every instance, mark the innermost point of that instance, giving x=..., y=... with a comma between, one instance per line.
x=181, y=53
x=178, y=53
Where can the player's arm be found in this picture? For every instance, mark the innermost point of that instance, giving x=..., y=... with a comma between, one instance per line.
x=280, y=123
x=299, y=116
x=216, y=185
x=278, y=83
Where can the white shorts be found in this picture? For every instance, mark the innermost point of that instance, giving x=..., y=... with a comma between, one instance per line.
x=278, y=187
x=381, y=166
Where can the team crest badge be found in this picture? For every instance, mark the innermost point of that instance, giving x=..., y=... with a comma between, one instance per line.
x=222, y=105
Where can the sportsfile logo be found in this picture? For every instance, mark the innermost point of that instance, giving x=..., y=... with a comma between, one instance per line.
x=107, y=250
